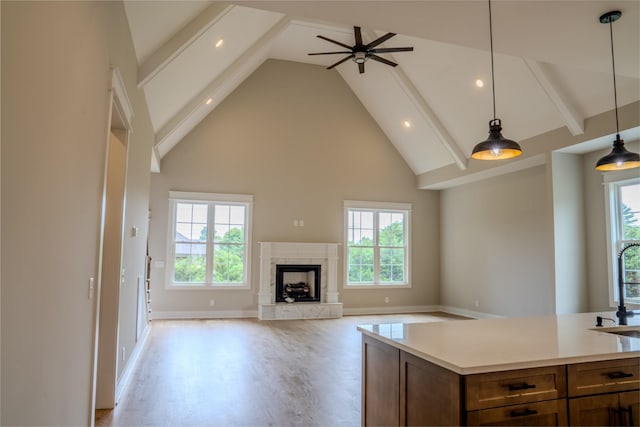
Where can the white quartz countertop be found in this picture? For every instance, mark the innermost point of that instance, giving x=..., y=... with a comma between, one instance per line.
x=489, y=345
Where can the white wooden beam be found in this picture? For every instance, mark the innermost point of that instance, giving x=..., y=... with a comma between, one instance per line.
x=570, y=117
x=155, y=160
x=425, y=110
x=197, y=109
x=181, y=41
x=431, y=118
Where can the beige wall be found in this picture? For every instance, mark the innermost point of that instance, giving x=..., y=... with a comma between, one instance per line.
x=56, y=59
x=294, y=136
x=497, y=245
x=567, y=188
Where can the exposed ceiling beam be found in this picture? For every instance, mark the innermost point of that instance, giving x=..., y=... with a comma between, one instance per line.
x=425, y=183
x=425, y=110
x=155, y=160
x=190, y=115
x=571, y=118
x=431, y=118
x=181, y=41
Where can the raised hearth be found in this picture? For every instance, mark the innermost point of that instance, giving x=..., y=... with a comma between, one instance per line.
x=299, y=256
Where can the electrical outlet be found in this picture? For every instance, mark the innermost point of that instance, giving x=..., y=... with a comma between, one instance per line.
x=212, y=302
x=124, y=353
x=477, y=304
x=386, y=300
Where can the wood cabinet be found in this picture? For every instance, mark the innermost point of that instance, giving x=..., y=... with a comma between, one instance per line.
x=604, y=393
x=630, y=408
x=504, y=388
x=518, y=397
x=402, y=389
x=544, y=413
x=380, y=383
x=429, y=394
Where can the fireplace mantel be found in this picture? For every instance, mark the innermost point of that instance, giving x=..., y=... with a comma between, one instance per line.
x=324, y=254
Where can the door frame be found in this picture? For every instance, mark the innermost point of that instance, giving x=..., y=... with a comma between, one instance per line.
x=120, y=115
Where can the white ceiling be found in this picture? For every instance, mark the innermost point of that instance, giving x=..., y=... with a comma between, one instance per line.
x=552, y=64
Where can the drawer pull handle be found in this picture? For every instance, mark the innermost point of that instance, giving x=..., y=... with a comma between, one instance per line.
x=618, y=375
x=520, y=386
x=523, y=412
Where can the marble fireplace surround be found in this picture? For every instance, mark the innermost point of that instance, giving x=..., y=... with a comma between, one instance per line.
x=323, y=254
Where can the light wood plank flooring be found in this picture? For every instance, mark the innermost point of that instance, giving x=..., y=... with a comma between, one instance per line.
x=246, y=372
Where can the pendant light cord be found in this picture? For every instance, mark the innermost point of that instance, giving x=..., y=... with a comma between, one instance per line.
x=613, y=64
x=493, y=84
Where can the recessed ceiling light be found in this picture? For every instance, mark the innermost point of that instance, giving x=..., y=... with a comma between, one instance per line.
x=479, y=83
x=219, y=42
x=407, y=124
x=209, y=101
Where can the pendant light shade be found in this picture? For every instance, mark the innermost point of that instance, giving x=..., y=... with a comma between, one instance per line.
x=495, y=147
x=619, y=158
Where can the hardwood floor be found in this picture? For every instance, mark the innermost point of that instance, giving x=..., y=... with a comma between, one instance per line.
x=247, y=372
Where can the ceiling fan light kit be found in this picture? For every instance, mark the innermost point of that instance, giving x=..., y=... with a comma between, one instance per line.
x=619, y=158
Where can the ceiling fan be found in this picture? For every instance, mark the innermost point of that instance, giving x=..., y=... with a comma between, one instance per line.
x=360, y=52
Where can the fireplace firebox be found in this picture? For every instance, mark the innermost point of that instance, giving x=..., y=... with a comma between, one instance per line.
x=297, y=283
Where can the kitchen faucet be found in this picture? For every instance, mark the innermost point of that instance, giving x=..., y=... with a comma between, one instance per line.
x=622, y=312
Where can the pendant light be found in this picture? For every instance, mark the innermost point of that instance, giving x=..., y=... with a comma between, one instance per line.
x=495, y=147
x=619, y=158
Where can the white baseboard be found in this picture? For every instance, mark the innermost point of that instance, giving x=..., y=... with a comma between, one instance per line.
x=122, y=384
x=468, y=313
x=391, y=310
x=219, y=314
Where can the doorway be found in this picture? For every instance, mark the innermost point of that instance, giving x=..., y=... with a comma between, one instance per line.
x=110, y=275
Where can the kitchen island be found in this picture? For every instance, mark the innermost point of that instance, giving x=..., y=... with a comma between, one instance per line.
x=546, y=370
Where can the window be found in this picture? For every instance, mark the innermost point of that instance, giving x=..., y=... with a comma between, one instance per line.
x=210, y=240
x=377, y=244
x=624, y=218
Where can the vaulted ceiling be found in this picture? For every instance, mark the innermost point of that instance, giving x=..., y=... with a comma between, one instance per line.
x=552, y=65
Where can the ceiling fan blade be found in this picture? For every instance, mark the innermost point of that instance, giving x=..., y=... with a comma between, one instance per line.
x=391, y=49
x=329, y=53
x=361, y=67
x=381, y=59
x=379, y=40
x=358, y=33
x=333, y=41
x=340, y=62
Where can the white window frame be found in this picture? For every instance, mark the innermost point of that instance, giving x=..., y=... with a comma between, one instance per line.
x=404, y=208
x=613, y=181
x=211, y=199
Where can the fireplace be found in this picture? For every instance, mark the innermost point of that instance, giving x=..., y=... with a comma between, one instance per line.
x=297, y=283
x=315, y=287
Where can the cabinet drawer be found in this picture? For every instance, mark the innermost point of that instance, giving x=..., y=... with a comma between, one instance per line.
x=603, y=377
x=548, y=413
x=496, y=389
